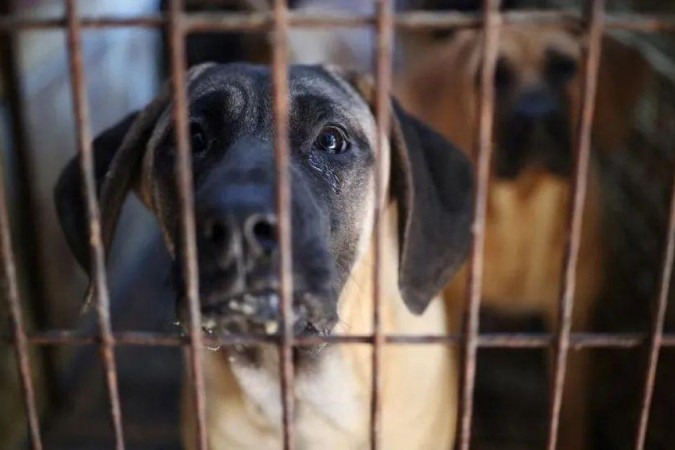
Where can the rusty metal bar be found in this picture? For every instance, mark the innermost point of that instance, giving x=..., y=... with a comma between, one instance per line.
x=96, y=256
x=188, y=248
x=283, y=197
x=28, y=236
x=412, y=20
x=11, y=292
x=279, y=21
x=578, y=341
x=656, y=337
x=383, y=76
x=582, y=156
x=483, y=152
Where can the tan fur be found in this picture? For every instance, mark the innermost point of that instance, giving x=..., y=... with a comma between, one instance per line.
x=527, y=218
x=333, y=398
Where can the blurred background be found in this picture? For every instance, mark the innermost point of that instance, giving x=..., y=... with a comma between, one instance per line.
x=125, y=68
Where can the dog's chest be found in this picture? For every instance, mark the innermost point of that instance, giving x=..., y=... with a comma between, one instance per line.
x=329, y=408
x=525, y=241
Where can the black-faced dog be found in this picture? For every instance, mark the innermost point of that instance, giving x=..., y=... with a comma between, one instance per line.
x=427, y=206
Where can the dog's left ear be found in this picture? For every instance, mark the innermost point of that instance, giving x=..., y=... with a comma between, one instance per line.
x=624, y=75
x=117, y=154
x=432, y=181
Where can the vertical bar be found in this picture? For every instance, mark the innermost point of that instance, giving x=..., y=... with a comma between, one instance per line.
x=96, y=257
x=16, y=317
x=188, y=249
x=491, y=23
x=27, y=215
x=282, y=158
x=583, y=147
x=383, y=68
x=656, y=337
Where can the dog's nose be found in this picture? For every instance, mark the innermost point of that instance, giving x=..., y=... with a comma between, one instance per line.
x=235, y=234
x=260, y=233
x=536, y=104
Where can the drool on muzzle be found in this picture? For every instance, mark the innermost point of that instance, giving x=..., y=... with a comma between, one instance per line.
x=238, y=248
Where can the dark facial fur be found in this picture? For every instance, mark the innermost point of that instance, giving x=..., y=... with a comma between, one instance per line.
x=332, y=135
x=533, y=116
x=234, y=183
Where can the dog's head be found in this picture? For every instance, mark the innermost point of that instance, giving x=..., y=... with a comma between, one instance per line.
x=332, y=141
x=535, y=81
x=538, y=88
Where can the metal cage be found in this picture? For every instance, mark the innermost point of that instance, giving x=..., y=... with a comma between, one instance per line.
x=179, y=24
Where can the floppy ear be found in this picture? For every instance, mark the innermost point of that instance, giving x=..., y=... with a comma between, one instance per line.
x=70, y=203
x=117, y=155
x=433, y=183
x=624, y=74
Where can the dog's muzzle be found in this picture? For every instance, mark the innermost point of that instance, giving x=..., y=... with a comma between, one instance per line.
x=238, y=257
x=535, y=131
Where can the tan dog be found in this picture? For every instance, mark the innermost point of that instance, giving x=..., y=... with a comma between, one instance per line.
x=538, y=92
x=427, y=203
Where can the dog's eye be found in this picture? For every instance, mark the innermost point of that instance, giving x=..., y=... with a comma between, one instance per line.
x=197, y=139
x=561, y=67
x=332, y=140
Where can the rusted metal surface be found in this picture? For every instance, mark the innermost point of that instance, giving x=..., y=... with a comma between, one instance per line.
x=579, y=187
x=188, y=247
x=96, y=256
x=656, y=337
x=578, y=341
x=11, y=293
x=22, y=170
x=283, y=198
x=278, y=20
x=383, y=77
x=483, y=154
x=415, y=20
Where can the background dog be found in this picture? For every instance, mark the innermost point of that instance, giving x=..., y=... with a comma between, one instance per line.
x=538, y=87
x=428, y=209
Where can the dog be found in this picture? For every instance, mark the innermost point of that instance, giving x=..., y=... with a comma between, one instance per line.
x=427, y=205
x=537, y=84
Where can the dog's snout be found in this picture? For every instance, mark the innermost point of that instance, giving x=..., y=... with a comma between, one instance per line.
x=232, y=234
x=536, y=104
x=217, y=231
x=260, y=232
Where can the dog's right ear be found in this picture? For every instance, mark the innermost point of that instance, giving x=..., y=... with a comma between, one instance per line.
x=117, y=155
x=625, y=75
x=433, y=183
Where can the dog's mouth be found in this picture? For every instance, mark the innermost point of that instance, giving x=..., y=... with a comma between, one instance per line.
x=544, y=146
x=512, y=161
x=258, y=313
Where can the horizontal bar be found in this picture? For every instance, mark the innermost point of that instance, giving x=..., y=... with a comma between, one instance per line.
x=485, y=340
x=413, y=20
